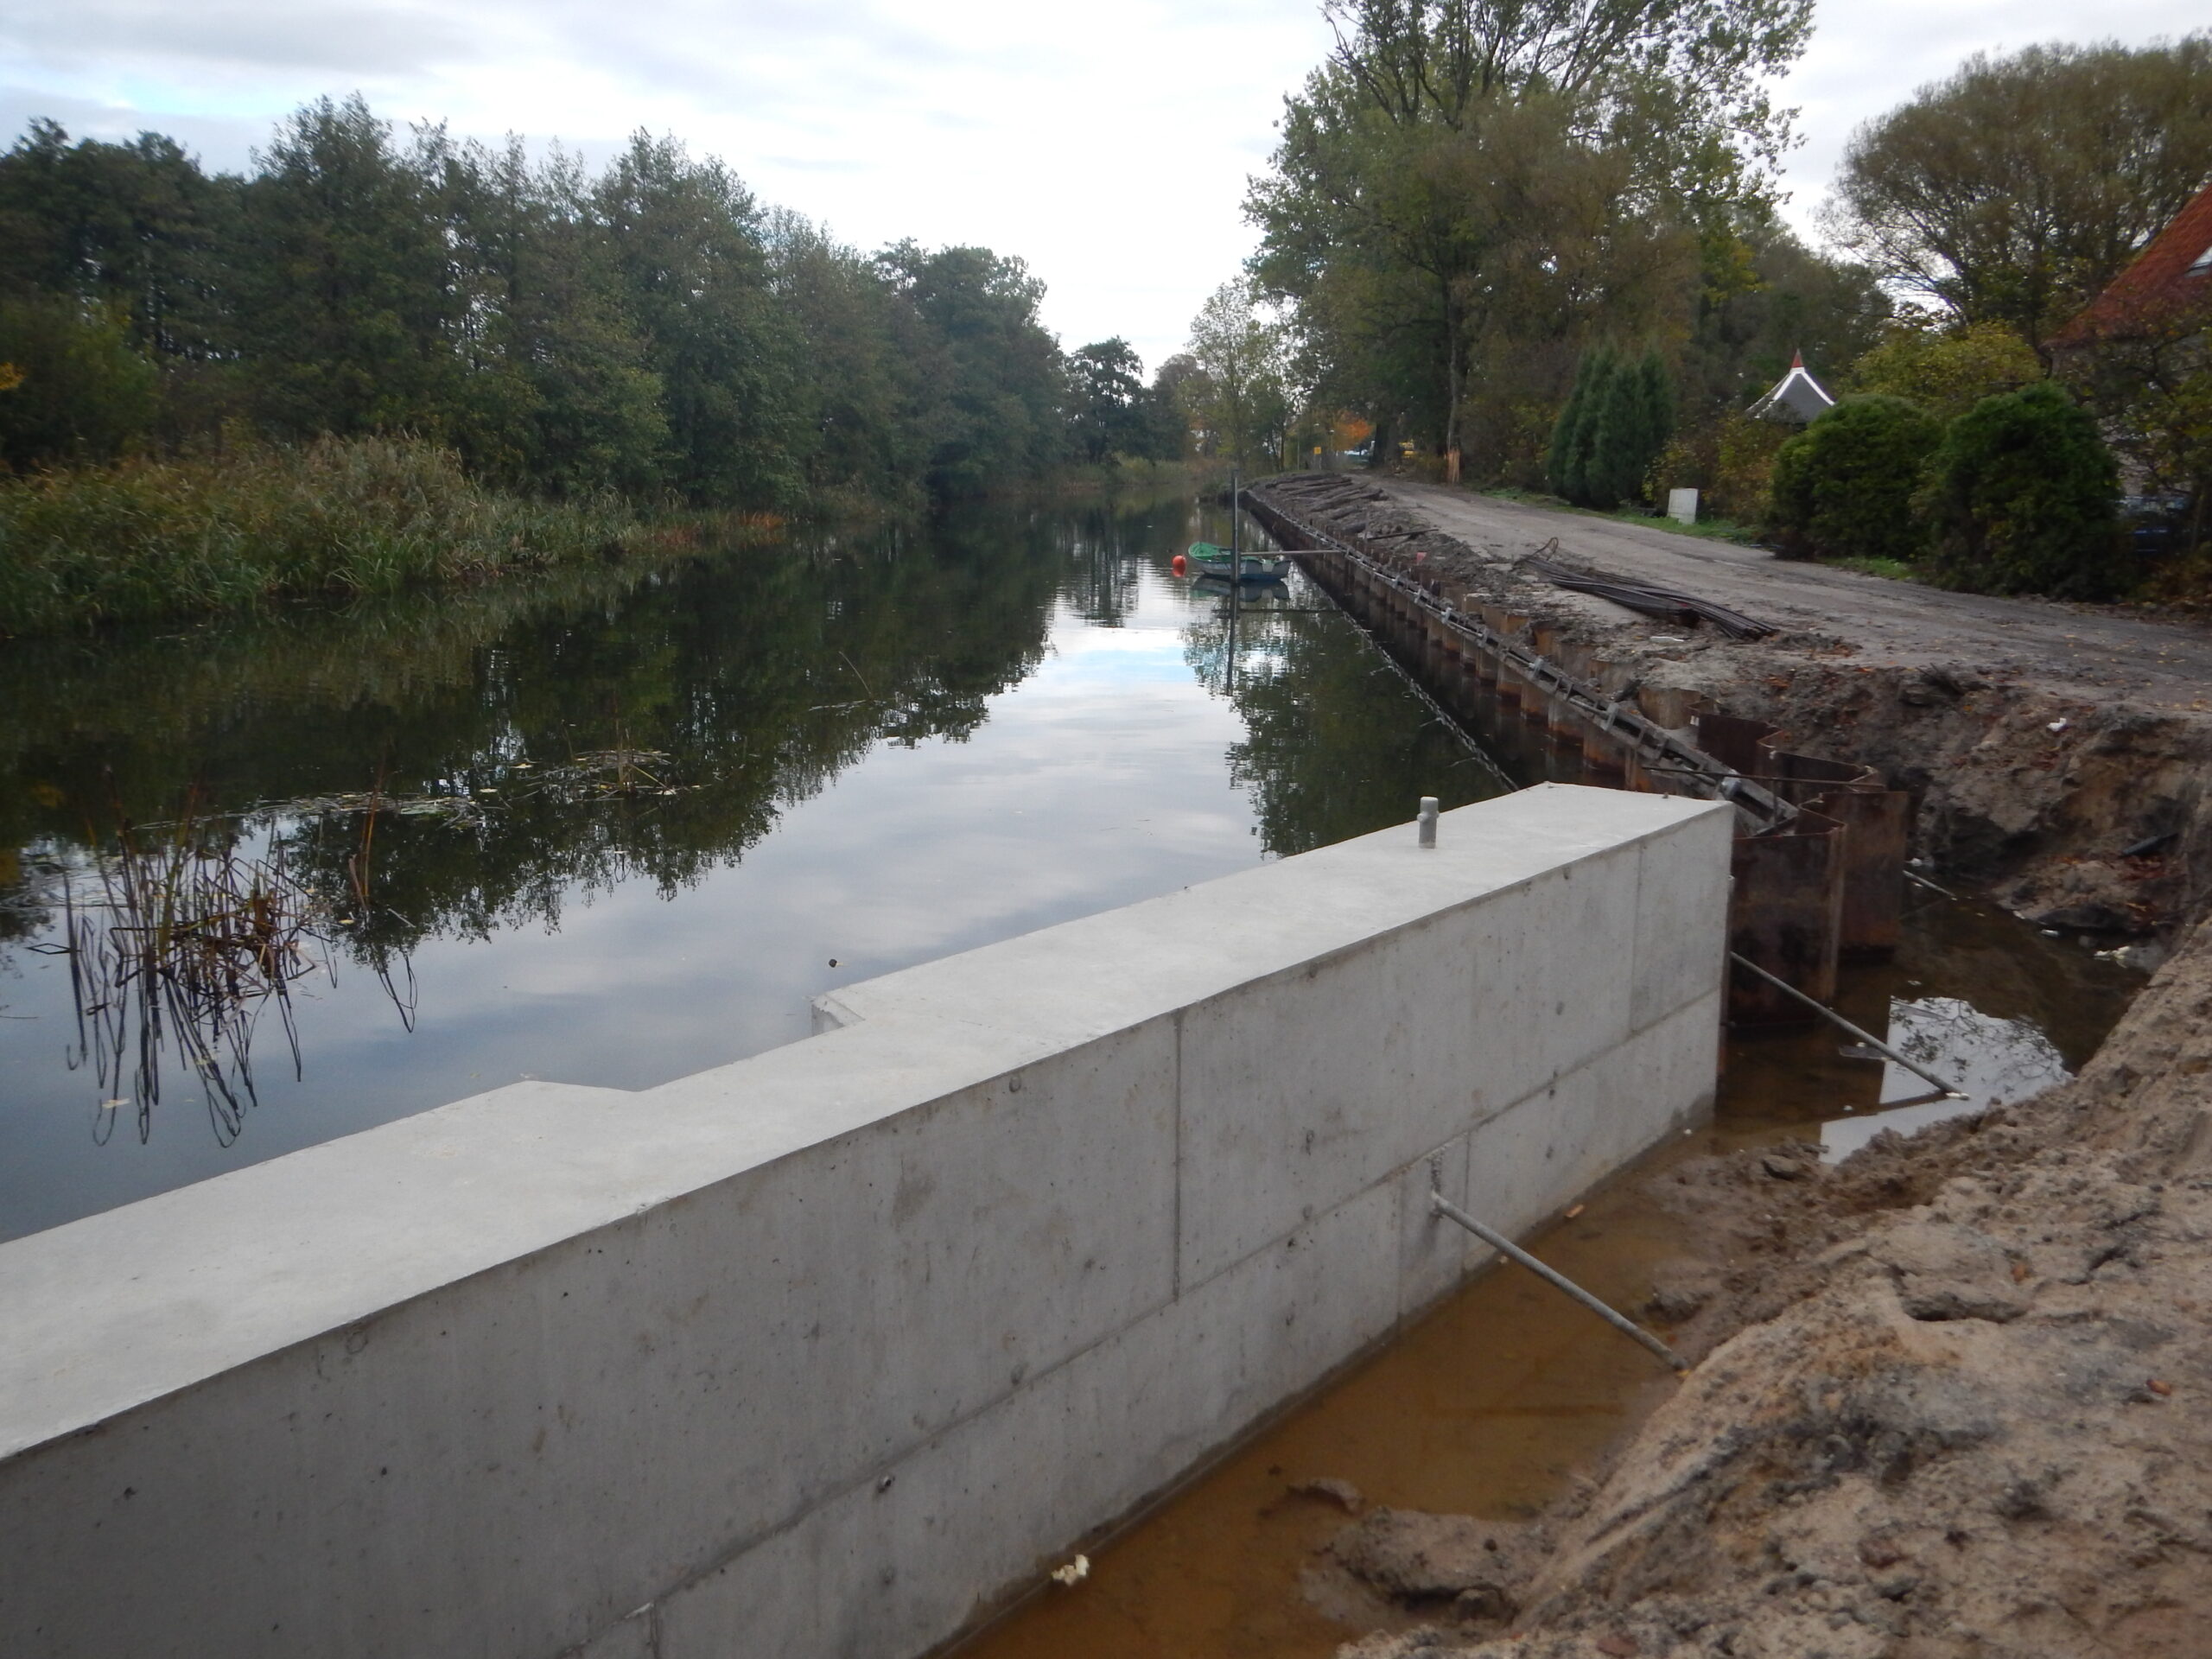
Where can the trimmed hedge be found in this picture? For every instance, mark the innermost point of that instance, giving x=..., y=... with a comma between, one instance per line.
x=2023, y=498
x=1844, y=487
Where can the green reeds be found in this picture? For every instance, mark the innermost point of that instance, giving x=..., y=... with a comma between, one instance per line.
x=222, y=531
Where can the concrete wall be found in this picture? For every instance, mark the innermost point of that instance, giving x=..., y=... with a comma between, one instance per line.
x=818, y=1353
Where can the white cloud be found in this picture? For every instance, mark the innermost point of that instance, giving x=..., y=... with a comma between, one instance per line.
x=1108, y=147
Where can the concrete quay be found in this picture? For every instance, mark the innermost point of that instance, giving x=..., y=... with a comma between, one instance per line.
x=829, y=1351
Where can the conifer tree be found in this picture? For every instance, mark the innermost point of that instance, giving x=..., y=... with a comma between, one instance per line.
x=1559, y=463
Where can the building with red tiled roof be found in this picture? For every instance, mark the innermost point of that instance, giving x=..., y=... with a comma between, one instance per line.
x=2140, y=356
x=2169, y=284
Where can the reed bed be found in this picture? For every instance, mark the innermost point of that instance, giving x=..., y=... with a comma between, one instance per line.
x=226, y=531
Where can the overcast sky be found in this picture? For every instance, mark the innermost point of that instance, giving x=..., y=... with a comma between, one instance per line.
x=1108, y=147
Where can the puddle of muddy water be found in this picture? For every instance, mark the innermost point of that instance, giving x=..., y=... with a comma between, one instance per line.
x=1977, y=996
x=1491, y=1404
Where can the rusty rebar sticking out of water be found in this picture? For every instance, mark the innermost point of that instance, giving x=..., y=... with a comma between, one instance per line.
x=1951, y=1089
x=1440, y=1205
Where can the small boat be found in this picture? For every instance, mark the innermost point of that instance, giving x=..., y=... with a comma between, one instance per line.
x=1207, y=560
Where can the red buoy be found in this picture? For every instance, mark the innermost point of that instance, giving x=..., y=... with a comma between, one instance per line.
x=1181, y=565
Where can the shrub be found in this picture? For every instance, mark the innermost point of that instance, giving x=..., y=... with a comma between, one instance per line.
x=1844, y=485
x=1728, y=459
x=1946, y=374
x=2022, y=498
x=214, y=532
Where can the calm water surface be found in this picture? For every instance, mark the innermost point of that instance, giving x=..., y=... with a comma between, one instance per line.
x=845, y=756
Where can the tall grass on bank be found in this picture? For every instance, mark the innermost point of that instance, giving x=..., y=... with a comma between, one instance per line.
x=222, y=531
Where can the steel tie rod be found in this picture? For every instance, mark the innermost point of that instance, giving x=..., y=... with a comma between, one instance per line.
x=1440, y=1205
x=1952, y=1090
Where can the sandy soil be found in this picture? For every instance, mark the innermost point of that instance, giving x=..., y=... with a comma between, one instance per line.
x=1953, y=1399
x=2045, y=742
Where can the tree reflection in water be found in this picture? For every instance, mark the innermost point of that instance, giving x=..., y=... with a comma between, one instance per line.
x=1328, y=749
x=503, y=750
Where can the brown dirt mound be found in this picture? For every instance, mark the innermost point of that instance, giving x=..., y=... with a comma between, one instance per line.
x=1955, y=1398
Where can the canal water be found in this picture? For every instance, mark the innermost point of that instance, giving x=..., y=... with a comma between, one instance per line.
x=616, y=826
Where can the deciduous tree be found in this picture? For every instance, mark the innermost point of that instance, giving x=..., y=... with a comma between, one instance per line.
x=2015, y=190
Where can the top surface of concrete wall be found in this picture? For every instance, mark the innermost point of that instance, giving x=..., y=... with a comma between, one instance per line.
x=118, y=1309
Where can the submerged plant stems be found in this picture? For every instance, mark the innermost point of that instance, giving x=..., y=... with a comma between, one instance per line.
x=177, y=946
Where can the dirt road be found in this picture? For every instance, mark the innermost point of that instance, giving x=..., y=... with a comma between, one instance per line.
x=2090, y=651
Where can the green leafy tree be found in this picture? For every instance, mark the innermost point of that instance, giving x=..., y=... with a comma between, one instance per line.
x=1947, y=372
x=999, y=382
x=2018, y=188
x=692, y=266
x=1464, y=189
x=128, y=229
x=1167, y=409
x=556, y=393
x=1238, y=395
x=77, y=390
x=2152, y=390
x=1844, y=485
x=2021, y=499
x=93, y=233
x=1107, y=415
x=861, y=427
x=1761, y=303
x=346, y=300
x=651, y=330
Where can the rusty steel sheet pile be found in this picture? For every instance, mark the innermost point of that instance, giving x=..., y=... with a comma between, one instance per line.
x=1820, y=844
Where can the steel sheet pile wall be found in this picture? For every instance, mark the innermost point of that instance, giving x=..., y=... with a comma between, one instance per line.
x=822, y=1352
x=1821, y=844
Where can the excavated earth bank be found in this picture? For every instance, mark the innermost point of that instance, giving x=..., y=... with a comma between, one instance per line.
x=1953, y=1400
x=2061, y=752
x=1953, y=1396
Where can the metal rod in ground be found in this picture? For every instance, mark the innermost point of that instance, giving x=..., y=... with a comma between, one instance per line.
x=1868, y=1038
x=1913, y=875
x=1439, y=1204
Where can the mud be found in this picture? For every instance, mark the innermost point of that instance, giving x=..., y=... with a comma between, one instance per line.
x=1953, y=1397
x=2059, y=752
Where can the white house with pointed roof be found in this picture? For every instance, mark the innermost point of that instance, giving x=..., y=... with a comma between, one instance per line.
x=1797, y=397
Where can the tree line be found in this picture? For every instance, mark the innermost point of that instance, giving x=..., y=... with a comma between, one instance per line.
x=651, y=329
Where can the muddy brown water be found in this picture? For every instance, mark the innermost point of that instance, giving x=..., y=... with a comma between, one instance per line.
x=1494, y=1401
